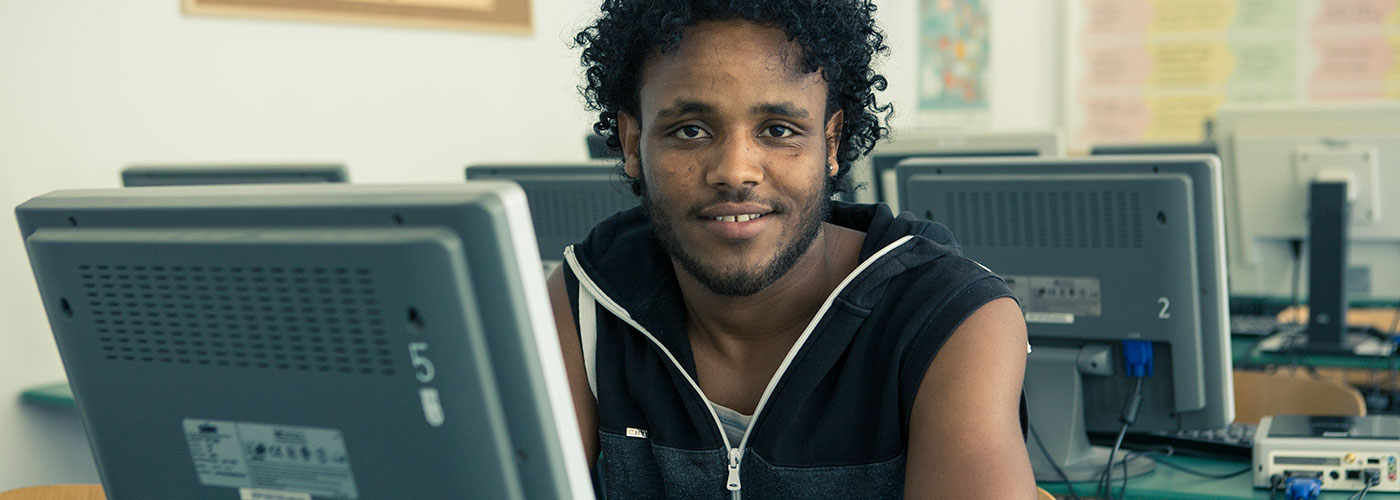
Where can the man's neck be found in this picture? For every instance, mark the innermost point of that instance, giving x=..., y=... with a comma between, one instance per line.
x=771, y=320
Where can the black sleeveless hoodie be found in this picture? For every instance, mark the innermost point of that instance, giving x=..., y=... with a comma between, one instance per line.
x=833, y=422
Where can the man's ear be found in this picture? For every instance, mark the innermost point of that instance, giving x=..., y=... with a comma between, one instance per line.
x=630, y=134
x=834, y=126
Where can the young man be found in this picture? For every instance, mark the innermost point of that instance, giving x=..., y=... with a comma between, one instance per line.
x=740, y=332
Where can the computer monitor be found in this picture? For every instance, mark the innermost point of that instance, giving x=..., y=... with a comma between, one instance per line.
x=566, y=201
x=1273, y=156
x=880, y=163
x=598, y=148
x=1104, y=254
x=199, y=175
x=1159, y=148
x=300, y=341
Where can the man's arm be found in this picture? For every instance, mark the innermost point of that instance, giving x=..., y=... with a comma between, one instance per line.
x=965, y=429
x=584, y=403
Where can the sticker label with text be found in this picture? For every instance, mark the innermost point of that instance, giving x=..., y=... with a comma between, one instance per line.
x=270, y=459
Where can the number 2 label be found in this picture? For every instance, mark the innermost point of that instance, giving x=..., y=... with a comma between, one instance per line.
x=1166, y=305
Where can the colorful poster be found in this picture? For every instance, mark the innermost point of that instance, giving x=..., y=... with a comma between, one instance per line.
x=954, y=56
x=1358, y=50
x=1156, y=70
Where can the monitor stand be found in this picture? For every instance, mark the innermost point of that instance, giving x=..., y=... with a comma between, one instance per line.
x=1327, y=263
x=1055, y=402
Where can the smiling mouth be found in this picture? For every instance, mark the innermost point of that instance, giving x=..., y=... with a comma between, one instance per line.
x=736, y=218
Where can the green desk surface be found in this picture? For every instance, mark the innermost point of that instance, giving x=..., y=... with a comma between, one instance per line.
x=55, y=394
x=1241, y=348
x=1169, y=484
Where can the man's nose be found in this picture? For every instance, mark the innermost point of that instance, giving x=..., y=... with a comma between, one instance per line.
x=738, y=165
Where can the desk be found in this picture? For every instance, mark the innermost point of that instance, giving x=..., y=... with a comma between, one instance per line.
x=1359, y=371
x=1170, y=484
x=54, y=394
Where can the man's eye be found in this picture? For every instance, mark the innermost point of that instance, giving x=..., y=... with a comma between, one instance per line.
x=689, y=132
x=777, y=131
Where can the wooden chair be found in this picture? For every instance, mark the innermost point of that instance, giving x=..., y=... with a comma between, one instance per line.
x=57, y=492
x=1258, y=394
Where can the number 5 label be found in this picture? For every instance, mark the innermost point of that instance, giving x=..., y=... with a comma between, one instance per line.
x=423, y=367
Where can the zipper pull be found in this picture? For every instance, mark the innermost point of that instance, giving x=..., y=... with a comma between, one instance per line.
x=734, y=455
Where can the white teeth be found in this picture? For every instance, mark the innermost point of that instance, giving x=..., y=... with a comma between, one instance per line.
x=738, y=218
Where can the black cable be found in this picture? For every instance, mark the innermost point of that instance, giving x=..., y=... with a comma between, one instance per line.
x=1160, y=452
x=1297, y=246
x=1129, y=456
x=1188, y=470
x=1123, y=492
x=1368, y=479
x=1294, y=299
x=1361, y=494
x=1163, y=452
x=1128, y=416
x=1105, y=484
x=1051, y=459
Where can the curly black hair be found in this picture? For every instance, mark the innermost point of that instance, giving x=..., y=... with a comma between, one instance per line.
x=838, y=38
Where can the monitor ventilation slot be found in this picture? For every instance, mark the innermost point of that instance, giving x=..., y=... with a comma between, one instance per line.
x=1044, y=219
x=568, y=211
x=310, y=319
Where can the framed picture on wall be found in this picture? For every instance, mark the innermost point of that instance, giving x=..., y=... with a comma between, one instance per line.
x=510, y=16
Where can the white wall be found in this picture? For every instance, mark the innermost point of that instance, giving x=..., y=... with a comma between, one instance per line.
x=87, y=87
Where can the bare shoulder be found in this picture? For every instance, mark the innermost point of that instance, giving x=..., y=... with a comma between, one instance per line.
x=965, y=425
x=585, y=405
x=982, y=354
x=560, y=303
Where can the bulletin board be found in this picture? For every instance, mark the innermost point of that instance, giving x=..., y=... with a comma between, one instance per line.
x=511, y=16
x=1154, y=71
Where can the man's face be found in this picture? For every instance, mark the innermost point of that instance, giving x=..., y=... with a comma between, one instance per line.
x=734, y=151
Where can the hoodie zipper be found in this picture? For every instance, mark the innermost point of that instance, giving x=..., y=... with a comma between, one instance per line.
x=735, y=453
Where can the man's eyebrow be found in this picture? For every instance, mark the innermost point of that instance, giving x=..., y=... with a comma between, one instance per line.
x=680, y=107
x=787, y=109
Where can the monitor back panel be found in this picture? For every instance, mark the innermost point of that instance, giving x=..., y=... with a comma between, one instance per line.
x=1097, y=253
x=877, y=167
x=886, y=186
x=209, y=363
x=1168, y=148
x=399, y=297
x=205, y=175
x=598, y=147
x=566, y=201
